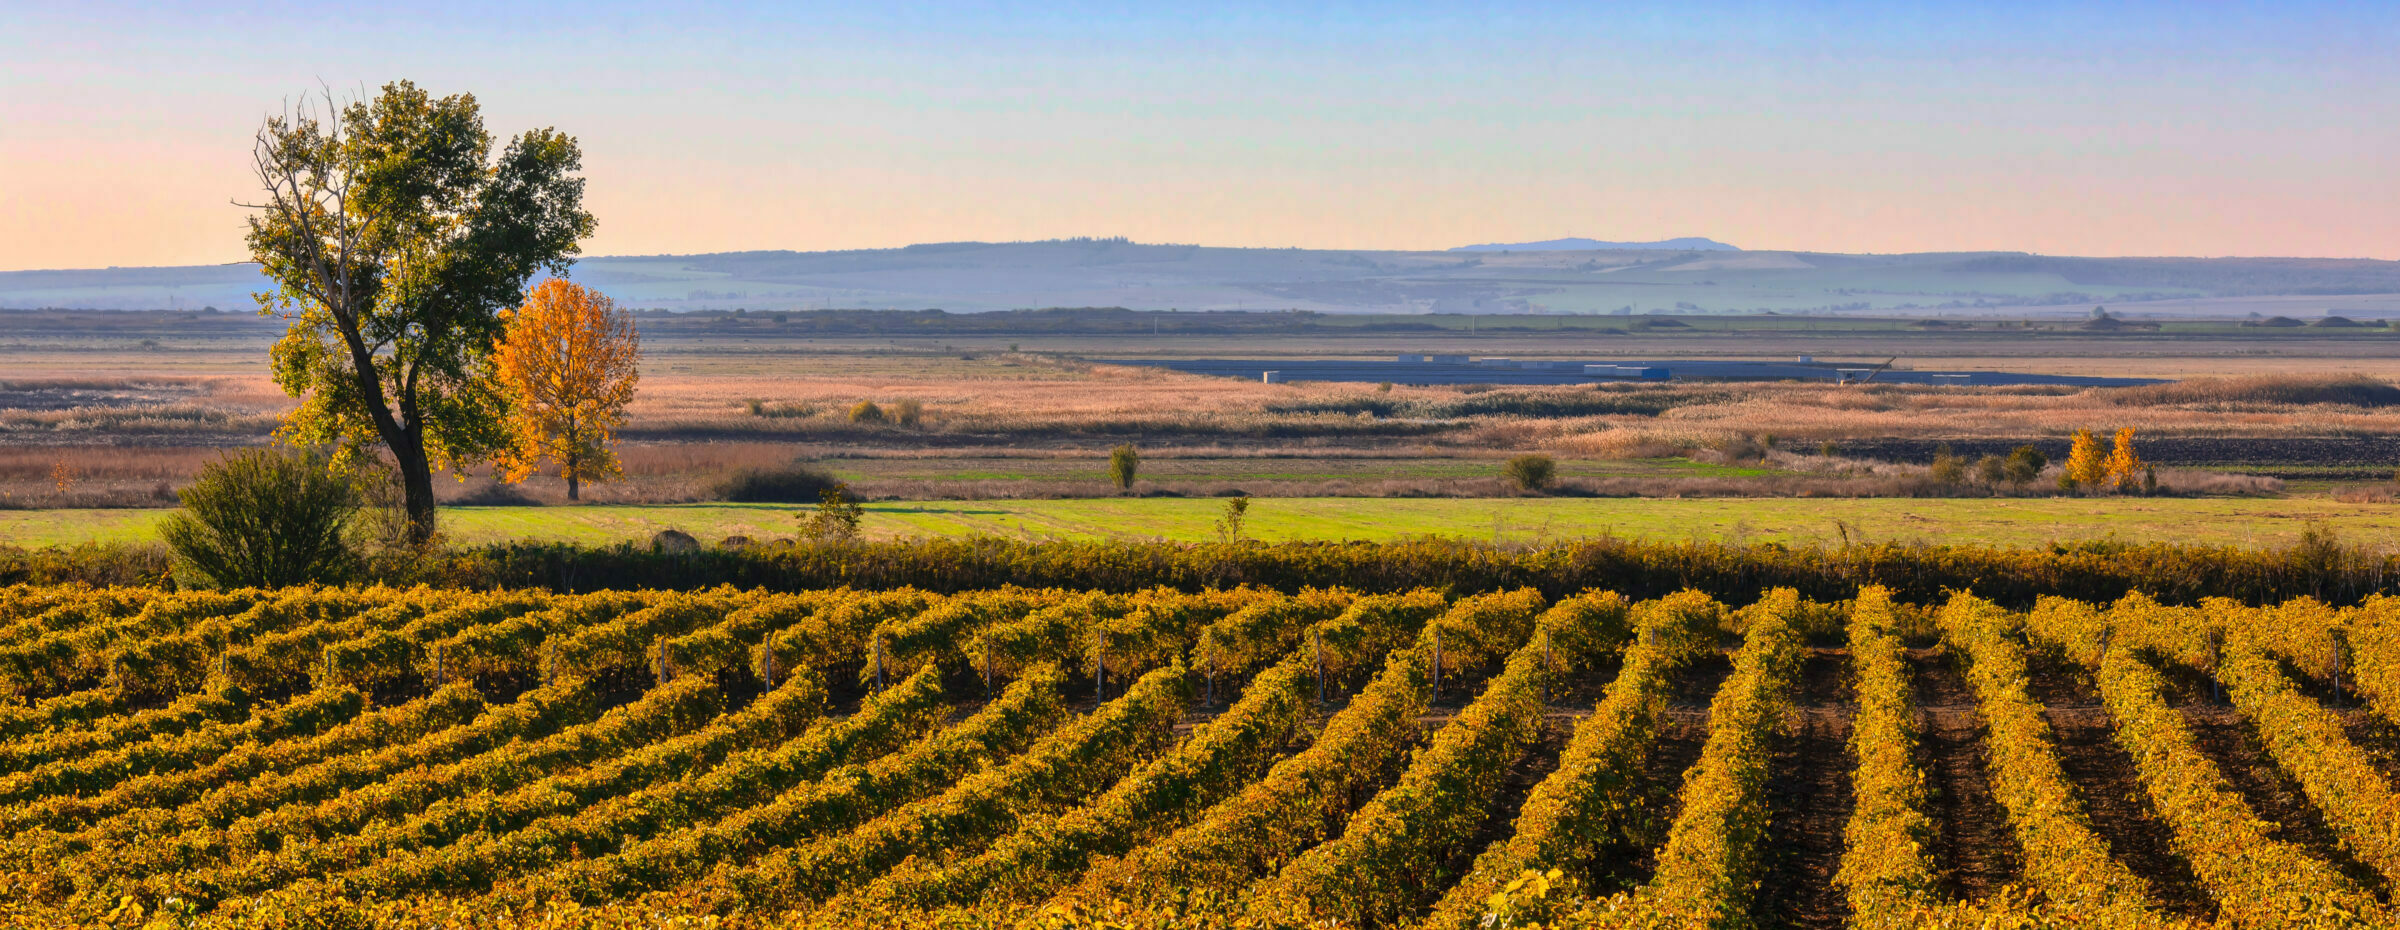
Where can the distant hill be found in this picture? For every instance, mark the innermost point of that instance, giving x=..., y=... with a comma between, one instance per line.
x=1687, y=244
x=965, y=277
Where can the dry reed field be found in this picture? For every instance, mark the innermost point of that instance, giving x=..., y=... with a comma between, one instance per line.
x=119, y=418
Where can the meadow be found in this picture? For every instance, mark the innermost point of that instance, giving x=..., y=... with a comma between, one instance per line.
x=2244, y=522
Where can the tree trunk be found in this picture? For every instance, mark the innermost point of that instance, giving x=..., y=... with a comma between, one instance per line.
x=416, y=487
x=572, y=483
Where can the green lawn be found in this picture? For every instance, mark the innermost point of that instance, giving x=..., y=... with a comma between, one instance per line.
x=2246, y=522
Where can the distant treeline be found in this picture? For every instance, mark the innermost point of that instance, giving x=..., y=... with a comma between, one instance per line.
x=2318, y=566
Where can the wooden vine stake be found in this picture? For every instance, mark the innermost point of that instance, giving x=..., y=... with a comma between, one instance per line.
x=1100, y=669
x=1437, y=665
x=879, y=662
x=1316, y=641
x=1209, y=669
x=1546, y=665
x=2335, y=647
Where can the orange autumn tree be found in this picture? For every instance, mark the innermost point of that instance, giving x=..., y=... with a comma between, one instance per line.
x=2086, y=465
x=2125, y=468
x=568, y=361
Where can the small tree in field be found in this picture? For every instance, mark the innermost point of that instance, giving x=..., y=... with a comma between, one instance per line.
x=267, y=518
x=568, y=361
x=2125, y=467
x=836, y=518
x=1530, y=472
x=1229, y=525
x=1124, y=464
x=2086, y=465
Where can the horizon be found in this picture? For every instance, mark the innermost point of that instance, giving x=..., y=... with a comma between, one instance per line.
x=2140, y=130
x=589, y=256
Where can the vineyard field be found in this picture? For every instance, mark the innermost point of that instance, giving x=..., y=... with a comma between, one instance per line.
x=1238, y=758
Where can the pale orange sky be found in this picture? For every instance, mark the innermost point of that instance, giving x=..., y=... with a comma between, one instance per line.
x=2143, y=130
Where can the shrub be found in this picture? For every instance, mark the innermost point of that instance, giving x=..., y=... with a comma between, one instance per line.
x=674, y=540
x=2025, y=463
x=1947, y=467
x=1124, y=464
x=267, y=518
x=836, y=518
x=795, y=484
x=907, y=412
x=866, y=412
x=1530, y=472
x=1991, y=469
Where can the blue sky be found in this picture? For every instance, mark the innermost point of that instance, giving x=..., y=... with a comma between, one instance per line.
x=2187, y=129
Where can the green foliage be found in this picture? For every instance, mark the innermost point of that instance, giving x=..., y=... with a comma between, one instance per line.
x=1229, y=524
x=836, y=518
x=267, y=518
x=795, y=484
x=1991, y=469
x=1530, y=472
x=2025, y=463
x=1124, y=464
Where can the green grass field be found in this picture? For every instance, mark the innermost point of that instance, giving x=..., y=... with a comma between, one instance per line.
x=2243, y=521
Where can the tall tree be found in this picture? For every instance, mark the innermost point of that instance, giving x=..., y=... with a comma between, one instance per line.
x=2126, y=470
x=395, y=237
x=569, y=363
x=2086, y=465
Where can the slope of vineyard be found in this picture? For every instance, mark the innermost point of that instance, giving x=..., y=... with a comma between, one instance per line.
x=1236, y=758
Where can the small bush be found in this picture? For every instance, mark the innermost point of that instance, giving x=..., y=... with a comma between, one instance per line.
x=1124, y=465
x=779, y=411
x=267, y=518
x=836, y=518
x=1991, y=469
x=1530, y=472
x=866, y=412
x=907, y=412
x=792, y=485
x=674, y=540
x=2025, y=463
x=1948, y=468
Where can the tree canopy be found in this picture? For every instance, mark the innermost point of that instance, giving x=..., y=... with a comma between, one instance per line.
x=396, y=235
x=569, y=364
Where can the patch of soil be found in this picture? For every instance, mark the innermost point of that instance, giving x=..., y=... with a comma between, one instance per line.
x=1974, y=848
x=2112, y=794
x=1809, y=801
